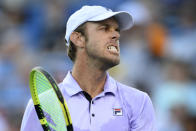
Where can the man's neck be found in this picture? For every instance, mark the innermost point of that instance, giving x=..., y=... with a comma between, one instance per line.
x=90, y=79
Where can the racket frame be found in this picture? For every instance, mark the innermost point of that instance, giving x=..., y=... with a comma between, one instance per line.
x=59, y=95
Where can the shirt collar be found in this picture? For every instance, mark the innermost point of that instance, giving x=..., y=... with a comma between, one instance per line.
x=70, y=84
x=110, y=85
x=72, y=87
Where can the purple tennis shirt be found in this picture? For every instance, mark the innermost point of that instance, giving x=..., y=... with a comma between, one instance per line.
x=117, y=108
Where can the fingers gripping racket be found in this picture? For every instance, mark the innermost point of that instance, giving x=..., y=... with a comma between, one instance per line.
x=49, y=103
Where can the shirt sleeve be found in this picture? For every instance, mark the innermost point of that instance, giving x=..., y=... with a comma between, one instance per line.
x=145, y=120
x=30, y=121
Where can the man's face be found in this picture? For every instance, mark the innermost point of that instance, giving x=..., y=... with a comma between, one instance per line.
x=102, y=44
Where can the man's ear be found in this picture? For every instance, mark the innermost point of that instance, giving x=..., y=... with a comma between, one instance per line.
x=77, y=39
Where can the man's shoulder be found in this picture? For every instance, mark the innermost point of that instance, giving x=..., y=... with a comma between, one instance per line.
x=60, y=85
x=130, y=91
x=134, y=99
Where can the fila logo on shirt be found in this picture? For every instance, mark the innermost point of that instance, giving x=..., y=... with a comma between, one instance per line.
x=117, y=112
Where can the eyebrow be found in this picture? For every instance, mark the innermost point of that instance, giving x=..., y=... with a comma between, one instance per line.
x=107, y=25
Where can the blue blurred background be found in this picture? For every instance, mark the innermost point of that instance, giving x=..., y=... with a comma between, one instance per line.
x=158, y=55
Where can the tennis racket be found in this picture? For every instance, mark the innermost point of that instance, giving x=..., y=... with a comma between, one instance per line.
x=49, y=103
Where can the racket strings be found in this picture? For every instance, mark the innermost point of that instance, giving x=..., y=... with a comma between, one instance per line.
x=49, y=103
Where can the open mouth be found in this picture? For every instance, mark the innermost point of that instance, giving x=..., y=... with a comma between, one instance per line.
x=113, y=49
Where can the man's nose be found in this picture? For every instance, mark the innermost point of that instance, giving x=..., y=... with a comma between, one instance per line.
x=115, y=35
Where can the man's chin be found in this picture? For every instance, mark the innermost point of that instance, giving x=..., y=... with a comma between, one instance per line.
x=108, y=63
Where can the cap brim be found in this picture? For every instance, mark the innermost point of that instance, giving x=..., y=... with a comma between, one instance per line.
x=123, y=18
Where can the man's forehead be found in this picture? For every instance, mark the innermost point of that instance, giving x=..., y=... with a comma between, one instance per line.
x=109, y=21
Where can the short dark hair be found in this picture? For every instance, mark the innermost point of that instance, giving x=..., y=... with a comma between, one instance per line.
x=71, y=50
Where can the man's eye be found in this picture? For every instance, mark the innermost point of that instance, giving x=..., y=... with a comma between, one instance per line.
x=118, y=30
x=105, y=28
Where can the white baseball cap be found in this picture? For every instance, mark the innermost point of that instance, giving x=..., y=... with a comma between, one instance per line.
x=96, y=13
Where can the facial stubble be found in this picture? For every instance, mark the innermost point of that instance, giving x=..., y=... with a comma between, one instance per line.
x=102, y=61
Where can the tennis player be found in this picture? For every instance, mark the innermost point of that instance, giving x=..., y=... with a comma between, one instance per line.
x=95, y=100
